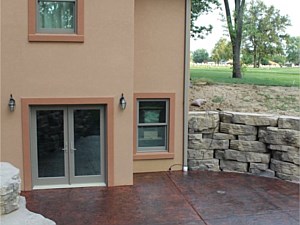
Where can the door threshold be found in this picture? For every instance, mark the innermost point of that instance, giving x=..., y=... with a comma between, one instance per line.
x=57, y=186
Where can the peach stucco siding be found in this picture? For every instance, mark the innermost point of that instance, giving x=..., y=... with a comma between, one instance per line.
x=129, y=46
x=159, y=64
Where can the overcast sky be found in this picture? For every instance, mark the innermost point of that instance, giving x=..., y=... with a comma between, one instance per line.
x=286, y=7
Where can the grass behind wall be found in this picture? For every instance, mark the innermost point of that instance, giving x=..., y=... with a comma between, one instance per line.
x=287, y=76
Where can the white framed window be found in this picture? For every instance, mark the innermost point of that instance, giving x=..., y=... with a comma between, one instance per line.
x=56, y=20
x=152, y=125
x=56, y=16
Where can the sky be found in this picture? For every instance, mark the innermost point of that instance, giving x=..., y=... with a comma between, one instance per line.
x=286, y=7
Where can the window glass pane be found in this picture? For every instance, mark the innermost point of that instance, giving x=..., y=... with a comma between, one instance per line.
x=56, y=15
x=152, y=136
x=50, y=142
x=152, y=111
x=87, y=142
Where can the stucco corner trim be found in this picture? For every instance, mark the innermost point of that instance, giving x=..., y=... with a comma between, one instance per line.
x=169, y=154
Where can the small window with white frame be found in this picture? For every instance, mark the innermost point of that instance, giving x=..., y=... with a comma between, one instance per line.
x=56, y=16
x=152, y=125
x=56, y=20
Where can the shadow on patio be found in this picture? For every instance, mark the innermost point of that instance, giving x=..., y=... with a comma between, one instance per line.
x=170, y=198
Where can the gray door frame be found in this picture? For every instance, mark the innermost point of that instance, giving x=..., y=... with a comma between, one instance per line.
x=69, y=180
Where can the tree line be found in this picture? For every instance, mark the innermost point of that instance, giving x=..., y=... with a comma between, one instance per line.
x=257, y=35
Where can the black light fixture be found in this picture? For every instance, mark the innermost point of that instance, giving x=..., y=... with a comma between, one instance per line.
x=122, y=102
x=11, y=103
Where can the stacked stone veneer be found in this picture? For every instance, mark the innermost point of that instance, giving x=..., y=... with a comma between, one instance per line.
x=9, y=188
x=12, y=205
x=260, y=144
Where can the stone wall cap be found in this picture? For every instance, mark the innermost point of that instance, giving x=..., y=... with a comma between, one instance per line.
x=251, y=114
x=289, y=117
x=195, y=113
x=8, y=174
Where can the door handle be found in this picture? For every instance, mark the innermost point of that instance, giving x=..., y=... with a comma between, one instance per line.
x=73, y=149
x=65, y=149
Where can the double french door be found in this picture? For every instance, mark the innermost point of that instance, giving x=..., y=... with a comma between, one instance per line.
x=67, y=146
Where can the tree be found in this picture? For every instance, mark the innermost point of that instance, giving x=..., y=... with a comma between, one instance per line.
x=200, y=55
x=235, y=29
x=200, y=7
x=292, y=50
x=222, y=51
x=280, y=59
x=264, y=31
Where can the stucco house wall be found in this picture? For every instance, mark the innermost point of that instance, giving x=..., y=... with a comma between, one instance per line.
x=129, y=47
x=159, y=64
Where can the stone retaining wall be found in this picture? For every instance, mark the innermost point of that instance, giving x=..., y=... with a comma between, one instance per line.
x=260, y=144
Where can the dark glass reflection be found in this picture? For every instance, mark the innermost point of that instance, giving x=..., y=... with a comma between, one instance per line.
x=152, y=112
x=87, y=142
x=152, y=137
x=56, y=15
x=50, y=142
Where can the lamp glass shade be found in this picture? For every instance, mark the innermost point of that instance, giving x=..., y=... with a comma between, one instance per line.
x=122, y=102
x=11, y=104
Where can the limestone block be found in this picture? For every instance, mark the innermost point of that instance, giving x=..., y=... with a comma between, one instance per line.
x=204, y=122
x=226, y=165
x=289, y=122
x=220, y=136
x=200, y=154
x=290, y=156
x=247, y=137
x=283, y=148
x=259, y=166
x=226, y=117
x=9, y=188
x=275, y=136
x=219, y=154
x=247, y=156
x=208, y=164
x=254, y=119
x=262, y=173
x=22, y=216
x=237, y=129
x=288, y=177
x=285, y=167
x=248, y=146
x=205, y=143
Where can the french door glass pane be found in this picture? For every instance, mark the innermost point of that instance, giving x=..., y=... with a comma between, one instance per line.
x=50, y=143
x=56, y=15
x=152, y=136
x=87, y=142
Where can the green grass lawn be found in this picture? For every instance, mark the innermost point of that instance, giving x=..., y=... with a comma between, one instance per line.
x=259, y=76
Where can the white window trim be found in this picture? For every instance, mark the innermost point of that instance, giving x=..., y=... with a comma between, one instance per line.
x=56, y=30
x=166, y=125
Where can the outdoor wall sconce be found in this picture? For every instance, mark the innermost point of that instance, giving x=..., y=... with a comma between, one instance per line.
x=11, y=103
x=122, y=102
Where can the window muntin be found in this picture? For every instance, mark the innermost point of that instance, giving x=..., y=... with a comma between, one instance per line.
x=153, y=119
x=57, y=17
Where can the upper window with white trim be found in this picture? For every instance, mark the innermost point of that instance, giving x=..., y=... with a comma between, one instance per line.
x=152, y=124
x=57, y=16
x=55, y=20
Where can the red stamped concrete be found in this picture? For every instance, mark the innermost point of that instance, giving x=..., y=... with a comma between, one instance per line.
x=173, y=198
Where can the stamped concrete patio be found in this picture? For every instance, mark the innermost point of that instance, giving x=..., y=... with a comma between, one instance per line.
x=171, y=198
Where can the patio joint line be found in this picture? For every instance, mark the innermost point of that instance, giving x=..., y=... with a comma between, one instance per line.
x=185, y=199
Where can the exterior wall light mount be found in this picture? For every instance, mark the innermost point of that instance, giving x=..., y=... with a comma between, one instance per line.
x=122, y=102
x=11, y=103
